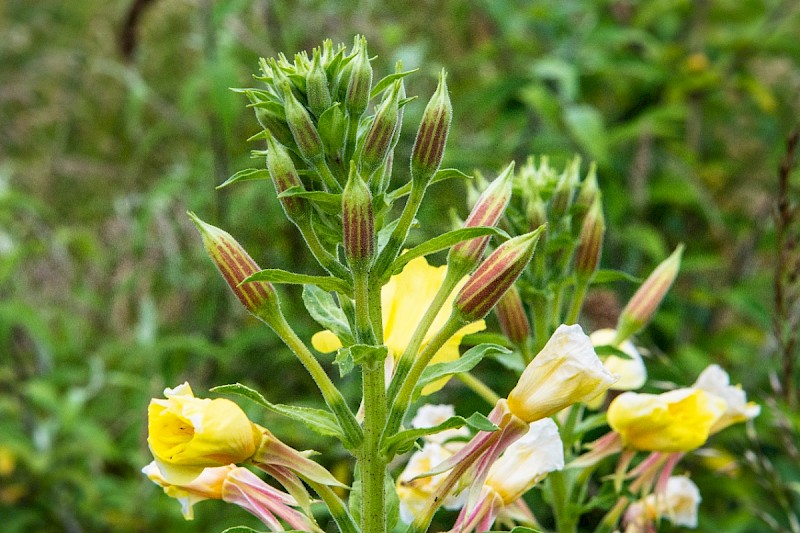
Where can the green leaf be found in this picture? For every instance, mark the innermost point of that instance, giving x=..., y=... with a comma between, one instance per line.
x=331, y=126
x=322, y=308
x=441, y=175
x=481, y=423
x=276, y=275
x=328, y=201
x=388, y=80
x=608, y=275
x=344, y=360
x=318, y=420
x=607, y=349
x=465, y=363
x=442, y=242
x=247, y=174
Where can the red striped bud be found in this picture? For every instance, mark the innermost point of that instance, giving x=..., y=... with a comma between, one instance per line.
x=378, y=141
x=426, y=156
x=284, y=176
x=590, y=242
x=642, y=306
x=303, y=130
x=495, y=276
x=357, y=222
x=487, y=211
x=512, y=317
x=360, y=82
x=235, y=265
x=317, y=92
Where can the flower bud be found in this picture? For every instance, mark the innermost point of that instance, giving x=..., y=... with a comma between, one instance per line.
x=590, y=242
x=426, y=156
x=236, y=265
x=360, y=82
x=536, y=211
x=284, y=176
x=642, y=306
x=187, y=434
x=675, y=421
x=495, y=276
x=317, y=92
x=512, y=317
x=378, y=141
x=562, y=195
x=357, y=222
x=566, y=371
x=487, y=211
x=303, y=130
x=589, y=189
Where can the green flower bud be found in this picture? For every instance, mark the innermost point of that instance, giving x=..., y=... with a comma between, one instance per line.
x=236, y=265
x=317, y=93
x=357, y=222
x=495, y=276
x=378, y=141
x=536, y=211
x=303, y=130
x=512, y=317
x=359, y=84
x=284, y=176
x=426, y=156
x=590, y=242
x=562, y=195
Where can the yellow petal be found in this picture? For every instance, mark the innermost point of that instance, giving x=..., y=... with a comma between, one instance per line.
x=325, y=341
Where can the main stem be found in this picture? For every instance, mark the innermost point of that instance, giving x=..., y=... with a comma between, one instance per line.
x=371, y=461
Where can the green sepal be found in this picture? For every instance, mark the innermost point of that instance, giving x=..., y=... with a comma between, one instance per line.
x=322, y=308
x=609, y=275
x=442, y=242
x=247, y=174
x=276, y=275
x=271, y=106
x=317, y=420
x=388, y=80
x=441, y=175
x=332, y=126
x=465, y=363
x=404, y=441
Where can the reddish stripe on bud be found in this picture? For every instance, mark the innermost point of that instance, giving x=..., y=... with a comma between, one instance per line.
x=360, y=81
x=236, y=265
x=378, y=141
x=512, y=317
x=303, y=130
x=590, y=242
x=426, y=156
x=495, y=276
x=357, y=221
x=284, y=177
x=487, y=212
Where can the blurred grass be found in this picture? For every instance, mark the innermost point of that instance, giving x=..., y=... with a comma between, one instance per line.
x=106, y=296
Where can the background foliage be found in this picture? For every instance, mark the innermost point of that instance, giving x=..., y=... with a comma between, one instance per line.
x=117, y=119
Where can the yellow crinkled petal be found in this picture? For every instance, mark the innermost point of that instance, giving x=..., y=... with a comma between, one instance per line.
x=325, y=341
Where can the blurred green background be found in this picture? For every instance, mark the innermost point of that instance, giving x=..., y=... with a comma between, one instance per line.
x=115, y=118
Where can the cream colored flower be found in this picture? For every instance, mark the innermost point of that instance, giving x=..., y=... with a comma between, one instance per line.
x=527, y=461
x=187, y=434
x=206, y=486
x=403, y=303
x=566, y=371
x=414, y=493
x=716, y=381
x=678, y=504
x=674, y=421
x=632, y=372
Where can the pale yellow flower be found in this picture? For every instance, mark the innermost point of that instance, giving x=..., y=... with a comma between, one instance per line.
x=674, y=421
x=527, y=461
x=404, y=300
x=206, y=486
x=631, y=372
x=716, y=381
x=415, y=493
x=566, y=371
x=678, y=504
x=188, y=434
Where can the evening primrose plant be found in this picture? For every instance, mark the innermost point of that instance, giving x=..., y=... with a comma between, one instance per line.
x=529, y=250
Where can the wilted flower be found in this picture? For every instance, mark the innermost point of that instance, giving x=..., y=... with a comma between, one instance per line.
x=716, y=381
x=678, y=503
x=566, y=371
x=402, y=298
x=188, y=434
x=674, y=421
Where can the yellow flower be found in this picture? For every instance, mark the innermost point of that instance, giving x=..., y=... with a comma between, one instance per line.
x=566, y=371
x=206, y=486
x=674, y=421
x=415, y=493
x=188, y=434
x=403, y=302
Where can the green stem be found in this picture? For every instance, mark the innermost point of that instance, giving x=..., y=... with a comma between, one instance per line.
x=373, y=467
x=555, y=310
x=404, y=396
x=352, y=135
x=577, y=301
x=323, y=256
x=525, y=350
x=364, y=332
x=451, y=279
x=331, y=183
x=566, y=521
x=609, y=522
x=478, y=387
x=540, y=326
x=375, y=311
x=400, y=233
x=335, y=506
x=334, y=399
